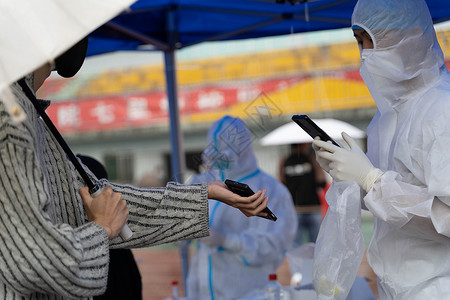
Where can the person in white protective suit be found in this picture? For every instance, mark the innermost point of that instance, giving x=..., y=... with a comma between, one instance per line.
x=404, y=179
x=239, y=254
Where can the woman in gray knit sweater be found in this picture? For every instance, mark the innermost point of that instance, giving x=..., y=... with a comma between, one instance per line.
x=55, y=239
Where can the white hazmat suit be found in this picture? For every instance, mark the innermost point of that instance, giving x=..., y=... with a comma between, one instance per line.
x=241, y=252
x=409, y=141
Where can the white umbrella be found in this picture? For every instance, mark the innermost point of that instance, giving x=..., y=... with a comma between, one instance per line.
x=36, y=32
x=291, y=133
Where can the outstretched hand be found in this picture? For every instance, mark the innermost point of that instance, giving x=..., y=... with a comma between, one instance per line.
x=249, y=206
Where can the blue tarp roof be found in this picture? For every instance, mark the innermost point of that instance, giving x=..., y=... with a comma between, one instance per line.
x=169, y=25
x=174, y=24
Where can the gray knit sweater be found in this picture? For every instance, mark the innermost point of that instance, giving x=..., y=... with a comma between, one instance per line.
x=48, y=249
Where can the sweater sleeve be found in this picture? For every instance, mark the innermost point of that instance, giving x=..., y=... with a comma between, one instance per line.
x=163, y=215
x=37, y=253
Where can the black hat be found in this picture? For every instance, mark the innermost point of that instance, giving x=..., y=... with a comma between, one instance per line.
x=94, y=165
x=70, y=62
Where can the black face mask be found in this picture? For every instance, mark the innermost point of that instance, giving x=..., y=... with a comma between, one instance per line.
x=70, y=62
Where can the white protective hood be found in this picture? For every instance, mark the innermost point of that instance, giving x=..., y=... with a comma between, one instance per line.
x=405, y=62
x=409, y=140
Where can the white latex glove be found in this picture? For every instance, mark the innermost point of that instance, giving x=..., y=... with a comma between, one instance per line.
x=323, y=163
x=215, y=238
x=347, y=164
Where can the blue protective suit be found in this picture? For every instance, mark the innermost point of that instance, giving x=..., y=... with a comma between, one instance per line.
x=241, y=252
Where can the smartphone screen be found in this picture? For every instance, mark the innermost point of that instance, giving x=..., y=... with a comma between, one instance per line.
x=312, y=129
x=245, y=191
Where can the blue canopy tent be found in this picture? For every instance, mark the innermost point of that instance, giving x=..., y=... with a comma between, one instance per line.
x=168, y=25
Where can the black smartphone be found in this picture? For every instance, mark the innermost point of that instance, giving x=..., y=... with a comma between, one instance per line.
x=312, y=129
x=245, y=191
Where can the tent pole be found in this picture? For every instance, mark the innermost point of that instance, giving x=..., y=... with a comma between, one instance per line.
x=176, y=140
x=177, y=157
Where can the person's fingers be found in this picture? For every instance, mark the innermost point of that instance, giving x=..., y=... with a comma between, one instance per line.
x=117, y=196
x=326, y=155
x=108, y=191
x=259, y=200
x=123, y=207
x=87, y=200
x=257, y=211
x=332, y=166
x=314, y=146
x=325, y=145
x=249, y=202
x=348, y=139
x=108, y=209
x=85, y=196
x=252, y=203
x=333, y=173
x=117, y=202
x=262, y=206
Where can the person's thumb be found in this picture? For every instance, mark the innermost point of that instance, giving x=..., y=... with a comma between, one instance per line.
x=348, y=139
x=314, y=146
x=84, y=193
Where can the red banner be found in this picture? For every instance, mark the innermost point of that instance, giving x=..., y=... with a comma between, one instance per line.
x=139, y=110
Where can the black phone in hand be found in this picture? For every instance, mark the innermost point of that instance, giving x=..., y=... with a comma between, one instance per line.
x=245, y=191
x=312, y=129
